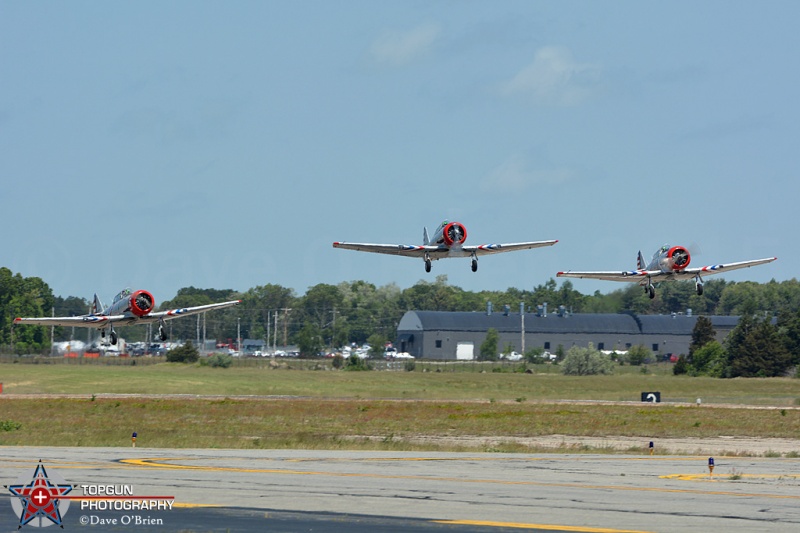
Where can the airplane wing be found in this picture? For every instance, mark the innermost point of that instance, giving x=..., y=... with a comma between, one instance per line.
x=486, y=249
x=185, y=311
x=101, y=321
x=716, y=269
x=84, y=321
x=407, y=250
x=631, y=276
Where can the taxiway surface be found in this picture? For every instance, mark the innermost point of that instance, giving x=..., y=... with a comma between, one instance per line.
x=285, y=490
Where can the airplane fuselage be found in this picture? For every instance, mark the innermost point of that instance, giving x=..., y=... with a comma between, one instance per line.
x=450, y=234
x=134, y=303
x=670, y=259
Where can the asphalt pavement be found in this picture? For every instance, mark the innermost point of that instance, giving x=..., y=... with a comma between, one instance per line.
x=338, y=491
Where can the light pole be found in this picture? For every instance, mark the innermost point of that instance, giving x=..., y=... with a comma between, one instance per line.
x=522, y=326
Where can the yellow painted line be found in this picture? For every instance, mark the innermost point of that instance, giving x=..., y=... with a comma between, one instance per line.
x=494, y=459
x=59, y=464
x=550, y=527
x=194, y=505
x=158, y=462
x=727, y=477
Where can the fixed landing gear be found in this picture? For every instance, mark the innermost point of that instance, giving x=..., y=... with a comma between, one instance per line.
x=650, y=290
x=427, y=262
x=112, y=337
x=162, y=333
x=698, y=285
x=474, y=264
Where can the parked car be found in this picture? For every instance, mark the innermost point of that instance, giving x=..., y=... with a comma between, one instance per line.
x=390, y=352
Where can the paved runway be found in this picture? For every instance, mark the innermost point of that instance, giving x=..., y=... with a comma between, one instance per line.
x=333, y=491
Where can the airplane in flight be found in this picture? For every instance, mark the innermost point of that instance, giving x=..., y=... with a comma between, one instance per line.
x=448, y=241
x=669, y=263
x=129, y=308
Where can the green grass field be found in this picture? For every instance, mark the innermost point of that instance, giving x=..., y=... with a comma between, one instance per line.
x=168, y=378
x=336, y=409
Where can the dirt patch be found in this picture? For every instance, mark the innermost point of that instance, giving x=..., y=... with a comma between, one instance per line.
x=720, y=446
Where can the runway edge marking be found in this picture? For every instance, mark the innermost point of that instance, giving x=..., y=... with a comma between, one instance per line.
x=550, y=527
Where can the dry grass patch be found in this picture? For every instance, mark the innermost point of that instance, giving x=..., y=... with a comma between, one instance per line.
x=314, y=423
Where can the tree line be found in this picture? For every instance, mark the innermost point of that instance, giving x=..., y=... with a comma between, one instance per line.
x=759, y=346
x=329, y=316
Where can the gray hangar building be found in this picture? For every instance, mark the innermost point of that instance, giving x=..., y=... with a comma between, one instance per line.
x=443, y=335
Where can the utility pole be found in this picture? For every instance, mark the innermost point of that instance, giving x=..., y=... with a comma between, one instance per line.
x=275, y=334
x=333, y=338
x=522, y=323
x=286, y=311
x=52, y=334
x=203, y=350
x=239, y=335
x=89, y=330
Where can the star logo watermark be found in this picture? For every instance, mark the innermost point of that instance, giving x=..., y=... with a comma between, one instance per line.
x=37, y=500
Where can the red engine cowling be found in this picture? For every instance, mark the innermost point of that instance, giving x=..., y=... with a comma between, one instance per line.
x=454, y=233
x=679, y=257
x=142, y=302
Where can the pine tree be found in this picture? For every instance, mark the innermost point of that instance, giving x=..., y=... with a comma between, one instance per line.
x=756, y=349
x=489, y=347
x=789, y=324
x=702, y=333
x=681, y=367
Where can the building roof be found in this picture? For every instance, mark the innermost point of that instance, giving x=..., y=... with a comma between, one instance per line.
x=253, y=342
x=554, y=323
x=681, y=324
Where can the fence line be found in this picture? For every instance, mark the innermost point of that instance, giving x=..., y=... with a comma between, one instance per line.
x=419, y=365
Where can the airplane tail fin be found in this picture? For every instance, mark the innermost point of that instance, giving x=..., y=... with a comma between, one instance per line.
x=97, y=306
x=425, y=239
x=640, y=264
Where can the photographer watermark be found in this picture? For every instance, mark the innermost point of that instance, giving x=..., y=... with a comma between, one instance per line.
x=40, y=500
x=43, y=499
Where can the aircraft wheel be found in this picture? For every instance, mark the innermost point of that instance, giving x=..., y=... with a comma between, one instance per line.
x=474, y=266
x=113, y=338
x=427, y=265
x=162, y=334
x=651, y=292
x=699, y=289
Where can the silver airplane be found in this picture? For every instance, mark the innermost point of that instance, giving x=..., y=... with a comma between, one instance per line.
x=669, y=263
x=448, y=241
x=129, y=308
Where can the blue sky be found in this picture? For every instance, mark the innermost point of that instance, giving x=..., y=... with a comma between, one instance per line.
x=162, y=145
